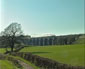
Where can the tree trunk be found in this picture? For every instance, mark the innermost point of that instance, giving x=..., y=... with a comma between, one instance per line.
x=12, y=46
x=11, y=49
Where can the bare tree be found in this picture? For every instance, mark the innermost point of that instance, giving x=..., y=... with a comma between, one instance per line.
x=10, y=35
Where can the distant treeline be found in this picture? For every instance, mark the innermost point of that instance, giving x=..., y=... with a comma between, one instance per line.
x=47, y=40
x=54, y=40
x=68, y=39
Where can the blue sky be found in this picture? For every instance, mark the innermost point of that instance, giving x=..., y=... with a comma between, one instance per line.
x=44, y=16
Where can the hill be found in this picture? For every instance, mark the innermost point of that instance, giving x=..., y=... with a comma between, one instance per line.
x=81, y=40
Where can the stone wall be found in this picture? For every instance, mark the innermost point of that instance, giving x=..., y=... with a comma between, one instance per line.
x=45, y=63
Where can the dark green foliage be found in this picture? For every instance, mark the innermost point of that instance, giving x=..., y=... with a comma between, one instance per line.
x=65, y=40
x=10, y=36
x=54, y=40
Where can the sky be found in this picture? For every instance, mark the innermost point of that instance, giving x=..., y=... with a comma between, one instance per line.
x=38, y=17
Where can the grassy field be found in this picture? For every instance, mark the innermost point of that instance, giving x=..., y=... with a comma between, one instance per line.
x=2, y=50
x=69, y=54
x=5, y=64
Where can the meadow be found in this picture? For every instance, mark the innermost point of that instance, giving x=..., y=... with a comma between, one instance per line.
x=2, y=50
x=69, y=54
x=5, y=64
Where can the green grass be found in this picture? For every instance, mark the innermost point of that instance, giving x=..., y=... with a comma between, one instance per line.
x=5, y=64
x=69, y=54
x=2, y=50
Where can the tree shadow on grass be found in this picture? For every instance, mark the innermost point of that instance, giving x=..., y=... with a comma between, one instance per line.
x=40, y=52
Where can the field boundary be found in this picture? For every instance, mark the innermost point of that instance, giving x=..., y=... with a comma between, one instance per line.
x=45, y=63
x=13, y=60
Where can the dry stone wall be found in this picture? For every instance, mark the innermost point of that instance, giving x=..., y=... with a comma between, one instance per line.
x=45, y=63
